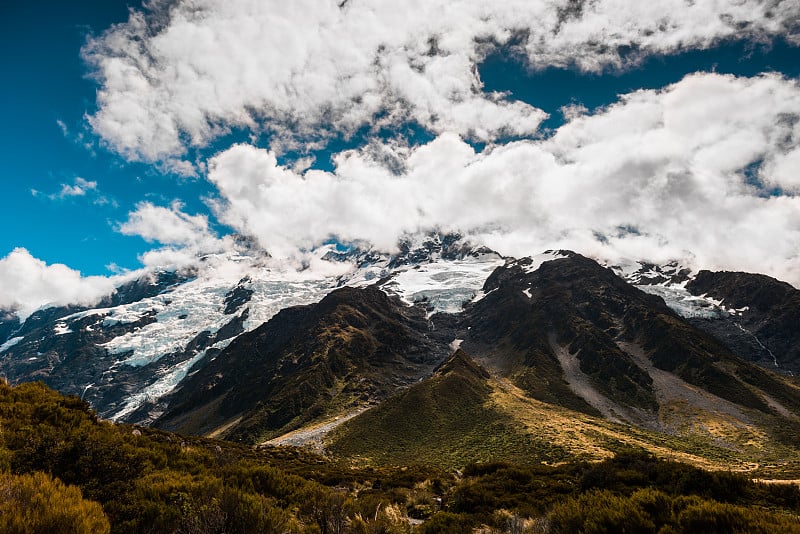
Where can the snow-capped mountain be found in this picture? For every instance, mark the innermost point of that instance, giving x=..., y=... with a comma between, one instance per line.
x=134, y=348
x=754, y=315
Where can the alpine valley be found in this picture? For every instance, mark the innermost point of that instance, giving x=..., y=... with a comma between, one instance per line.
x=441, y=356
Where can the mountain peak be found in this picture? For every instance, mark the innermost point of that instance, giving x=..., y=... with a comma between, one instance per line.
x=461, y=363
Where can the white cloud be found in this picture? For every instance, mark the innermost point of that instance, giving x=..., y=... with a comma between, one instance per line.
x=659, y=174
x=27, y=284
x=168, y=226
x=190, y=70
x=63, y=127
x=705, y=168
x=80, y=188
x=185, y=237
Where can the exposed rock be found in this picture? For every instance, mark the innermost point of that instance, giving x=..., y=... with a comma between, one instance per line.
x=766, y=326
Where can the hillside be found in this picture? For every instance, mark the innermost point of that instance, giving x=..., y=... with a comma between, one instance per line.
x=356, y=347
x=133, y=479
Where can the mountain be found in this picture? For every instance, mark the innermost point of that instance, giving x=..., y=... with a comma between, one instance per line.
x=365, y=351
x=573, y=312
x=356, y=346
x=446, y=419
x=764, y=325
x=566, y=350
x=129, y=352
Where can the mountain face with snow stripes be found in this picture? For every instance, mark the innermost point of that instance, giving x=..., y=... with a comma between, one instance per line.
x=175, y=349
x=138, y=345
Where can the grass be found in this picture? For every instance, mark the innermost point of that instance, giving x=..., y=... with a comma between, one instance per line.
x=461, y=417
x=446, y=421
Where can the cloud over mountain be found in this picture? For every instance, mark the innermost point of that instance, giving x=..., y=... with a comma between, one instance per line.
x=688, y=170
x=705, y=169
x=27, y=283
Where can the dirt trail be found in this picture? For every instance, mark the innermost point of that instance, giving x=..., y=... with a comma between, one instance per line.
x=312, y=436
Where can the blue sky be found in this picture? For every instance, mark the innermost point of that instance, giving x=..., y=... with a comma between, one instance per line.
x=47, y=92
x=299, y=125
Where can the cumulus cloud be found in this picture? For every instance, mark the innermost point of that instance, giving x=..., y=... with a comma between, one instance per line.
x=169, y=226
x=705, y=168
x=185, y=72
x=659, y=174
x=78, y=189
x=185, y=236
x=28, y=283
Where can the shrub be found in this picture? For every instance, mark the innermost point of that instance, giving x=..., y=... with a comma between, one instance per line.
x=37, y=503
x=599, y=512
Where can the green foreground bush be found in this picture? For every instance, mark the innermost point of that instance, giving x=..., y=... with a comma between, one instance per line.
x=63, y=470
x=38, y=503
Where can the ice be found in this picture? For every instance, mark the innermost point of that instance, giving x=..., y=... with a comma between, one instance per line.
x=198, y=305
x=10, y=343
x=684, y=303
x=272, y=294
x=162, y=386
x=180, y=315
x=444, y=285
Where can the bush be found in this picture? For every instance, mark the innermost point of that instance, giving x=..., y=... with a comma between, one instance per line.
x=37, y=503
x=447, y=523
x=599, y=512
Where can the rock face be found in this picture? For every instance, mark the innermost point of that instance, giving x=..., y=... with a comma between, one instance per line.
x=353, y=347
x=571, y=332
x=766, y=327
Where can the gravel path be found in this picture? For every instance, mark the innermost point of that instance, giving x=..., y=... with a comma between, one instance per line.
x=312, y=436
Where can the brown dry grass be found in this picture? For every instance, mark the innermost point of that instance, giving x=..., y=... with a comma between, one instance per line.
x=594, y=439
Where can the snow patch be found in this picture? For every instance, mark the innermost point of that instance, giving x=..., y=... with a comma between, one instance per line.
x=480, y=295
x=532, y=263
x=10, y=343
x=684, y=303
x=444, y=286
x=163, y=385
x=198, y=305
x=61, y=328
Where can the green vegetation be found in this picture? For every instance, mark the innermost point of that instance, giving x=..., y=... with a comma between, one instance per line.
x=152, y=481
x=39, y=503
x=63, y=470
x=446, y=421
x=633, y=492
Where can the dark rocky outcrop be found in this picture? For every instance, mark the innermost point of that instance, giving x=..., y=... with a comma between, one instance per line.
x=766, y=327
x=574, y=304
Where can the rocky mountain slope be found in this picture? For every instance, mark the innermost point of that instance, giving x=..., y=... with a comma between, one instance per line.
x=766, y=327
x=244, y=350
x=356, y=346
x=565, y=339
x=130, y=351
